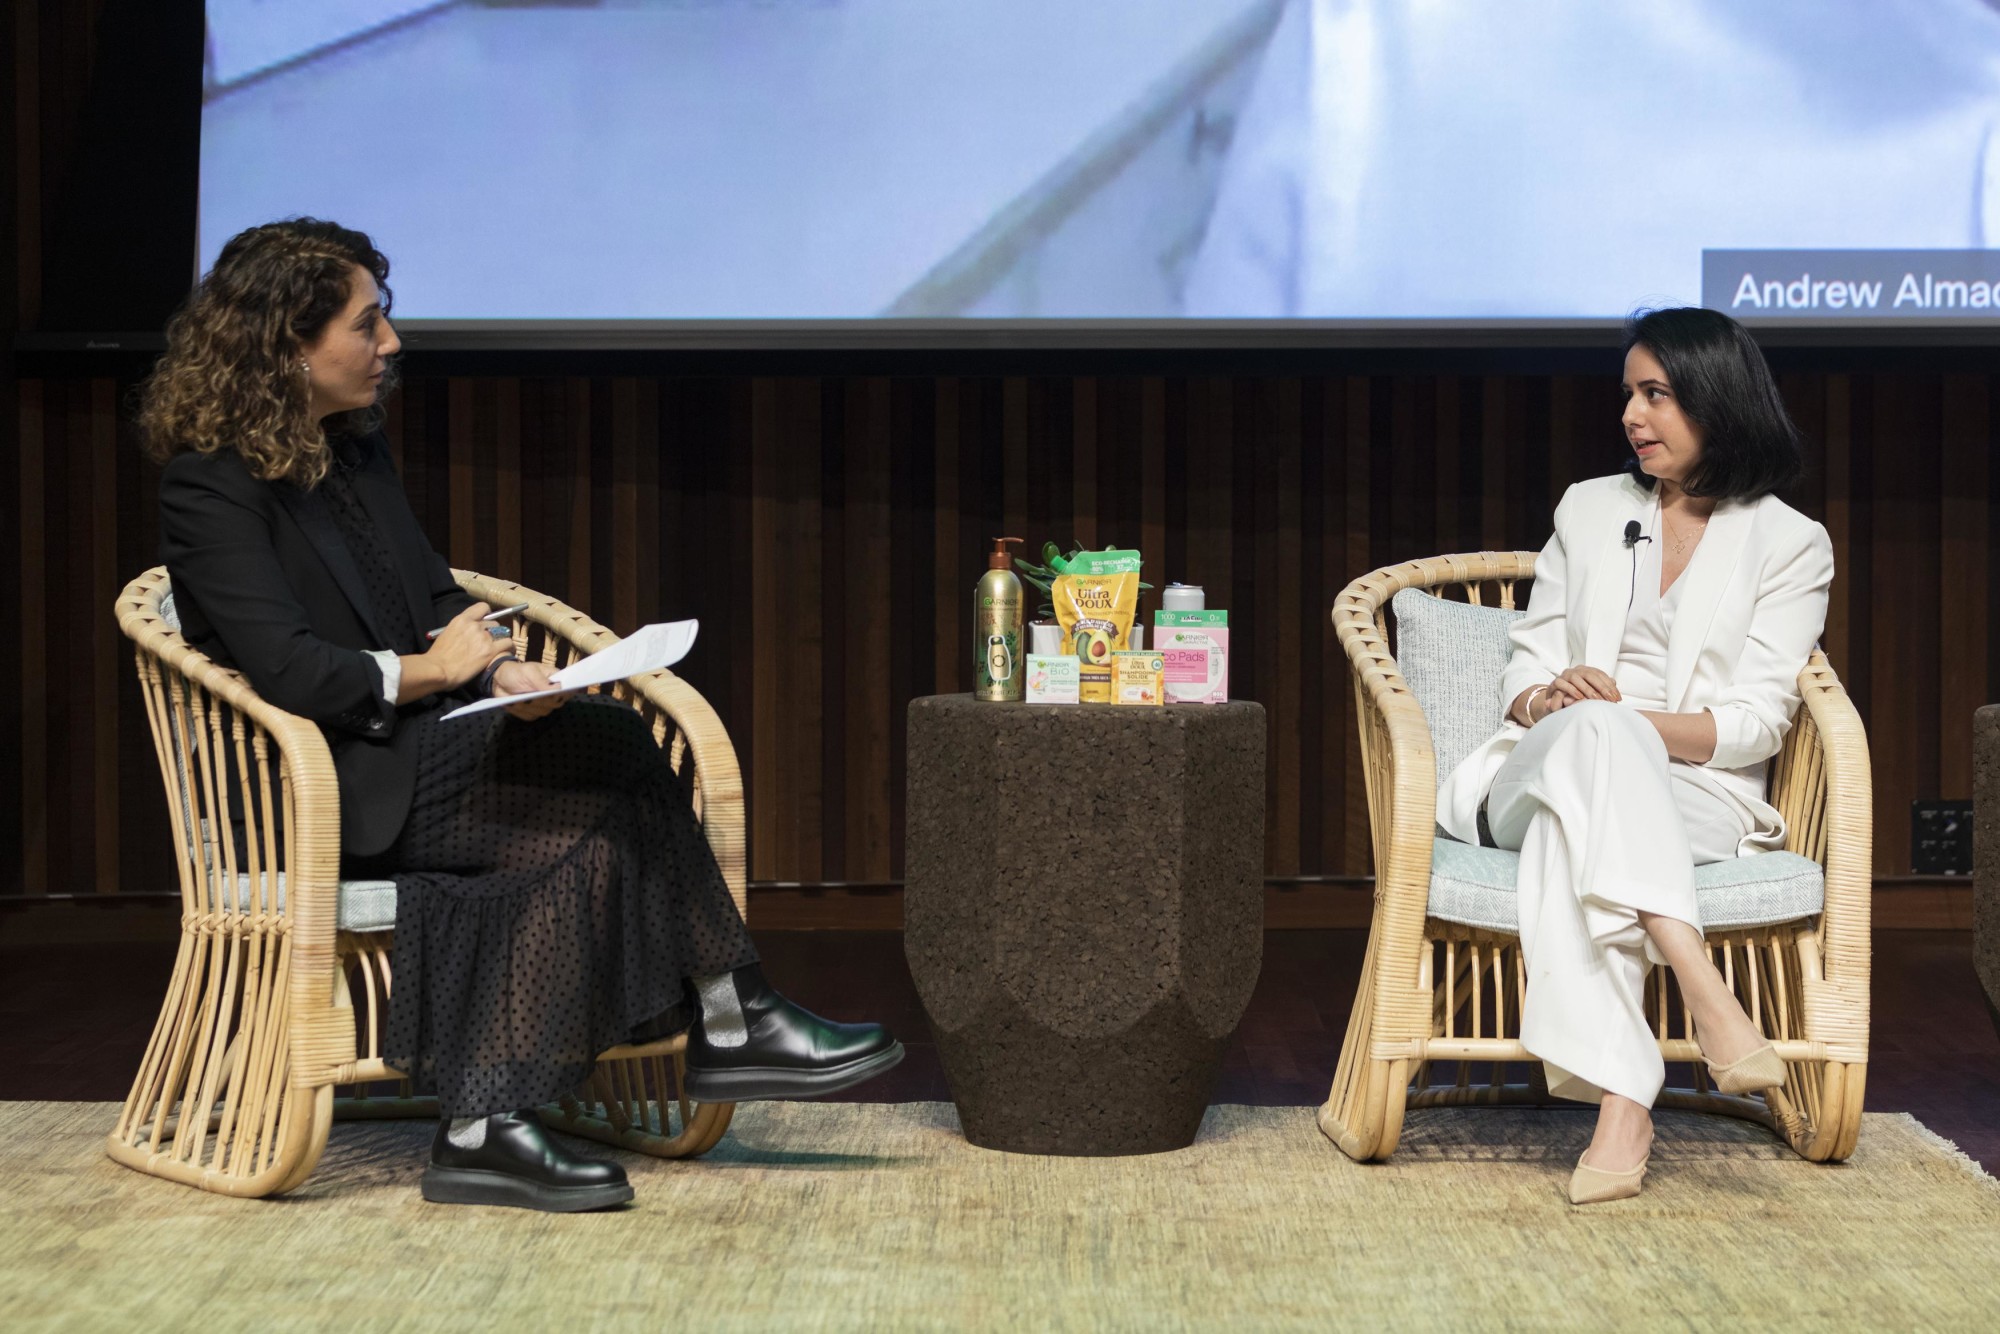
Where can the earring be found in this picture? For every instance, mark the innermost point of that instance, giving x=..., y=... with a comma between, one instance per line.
x=304, y=369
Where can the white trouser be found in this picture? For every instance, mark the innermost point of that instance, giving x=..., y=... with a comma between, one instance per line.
x=1607, y=828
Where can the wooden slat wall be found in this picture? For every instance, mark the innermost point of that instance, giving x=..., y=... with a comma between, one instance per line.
x=827, y=531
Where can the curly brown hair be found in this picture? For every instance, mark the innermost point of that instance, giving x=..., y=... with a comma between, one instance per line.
x=230, y=376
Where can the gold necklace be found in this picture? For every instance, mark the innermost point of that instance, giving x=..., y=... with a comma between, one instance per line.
x=1690, y=535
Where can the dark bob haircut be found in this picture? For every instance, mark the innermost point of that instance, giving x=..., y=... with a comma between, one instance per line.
x=1749, y=445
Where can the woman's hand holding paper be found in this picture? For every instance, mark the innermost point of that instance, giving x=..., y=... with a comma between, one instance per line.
x=524, y=678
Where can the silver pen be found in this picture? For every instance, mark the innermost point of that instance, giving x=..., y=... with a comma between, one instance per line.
x=497, y=631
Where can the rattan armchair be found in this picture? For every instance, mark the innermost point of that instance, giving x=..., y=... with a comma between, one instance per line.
x=272, y=1023
x=1438, y=996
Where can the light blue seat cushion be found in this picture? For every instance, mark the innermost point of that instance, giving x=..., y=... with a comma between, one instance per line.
x=1475, y=886
x=363, y=905
x=1452, y=655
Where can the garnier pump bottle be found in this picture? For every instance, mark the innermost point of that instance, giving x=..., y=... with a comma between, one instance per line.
x=996, y=627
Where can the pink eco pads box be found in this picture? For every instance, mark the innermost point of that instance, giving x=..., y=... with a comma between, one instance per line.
x=1195, y=645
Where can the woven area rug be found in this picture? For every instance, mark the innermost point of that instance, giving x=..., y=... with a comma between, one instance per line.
x=868, y=1216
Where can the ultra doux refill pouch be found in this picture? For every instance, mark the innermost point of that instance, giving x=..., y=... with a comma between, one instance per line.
x=1095, y=603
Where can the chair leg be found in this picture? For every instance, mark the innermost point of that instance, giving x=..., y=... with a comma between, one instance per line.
x=1363, y=1113
x=1818, y=1109
x=1850, y=1113
x=1817, y=1112
x=317, y=1124
x=212, y=1105
x=1368, y=1124
x=1829, y=1133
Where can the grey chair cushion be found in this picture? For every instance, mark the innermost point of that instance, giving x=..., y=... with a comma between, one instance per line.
x=1475, y=886
x=370, y=905
x=1452, y=654
x=363, y=905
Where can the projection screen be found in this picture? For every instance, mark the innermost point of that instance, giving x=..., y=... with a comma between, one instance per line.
x=648, y=164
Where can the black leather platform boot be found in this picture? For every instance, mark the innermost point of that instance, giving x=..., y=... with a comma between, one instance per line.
x=518, y=1165
x=782, y=1051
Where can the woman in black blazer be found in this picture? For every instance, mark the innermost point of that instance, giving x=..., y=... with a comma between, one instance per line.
x=555, y=895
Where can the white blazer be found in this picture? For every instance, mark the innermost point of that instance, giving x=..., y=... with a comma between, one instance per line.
x=1752, y=609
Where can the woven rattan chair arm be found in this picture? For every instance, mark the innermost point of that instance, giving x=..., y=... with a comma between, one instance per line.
x=320, y=1036
x=1850, y=823
x=708, y=744
x=1397, y=760
x=301, y=741
x=721, y=776
x=1402, y=843
x=1408, y=771
x=559, y=618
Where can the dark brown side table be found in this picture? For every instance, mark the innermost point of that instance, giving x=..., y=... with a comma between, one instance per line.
x=1083, y=912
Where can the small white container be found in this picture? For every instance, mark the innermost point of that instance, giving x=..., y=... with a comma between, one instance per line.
x=1183, y=597
x=1054, y=678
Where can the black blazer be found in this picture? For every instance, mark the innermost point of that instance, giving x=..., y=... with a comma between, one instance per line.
x=263, y=582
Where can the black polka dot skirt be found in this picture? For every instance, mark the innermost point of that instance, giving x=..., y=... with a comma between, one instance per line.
x=554, y=895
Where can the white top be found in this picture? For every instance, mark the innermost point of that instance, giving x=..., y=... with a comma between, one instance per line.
x=1642, y=660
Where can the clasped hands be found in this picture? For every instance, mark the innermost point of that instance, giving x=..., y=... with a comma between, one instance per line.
x=465, y=648
x=1572, y=686
x=1688, y=736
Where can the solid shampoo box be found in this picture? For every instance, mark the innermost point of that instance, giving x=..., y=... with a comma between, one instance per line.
x=1138, y=677
x=1195, y=645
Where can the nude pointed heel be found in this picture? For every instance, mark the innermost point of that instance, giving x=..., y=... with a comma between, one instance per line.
x=1751, y=1073
x=1762, y=1069
x=1591, y=1185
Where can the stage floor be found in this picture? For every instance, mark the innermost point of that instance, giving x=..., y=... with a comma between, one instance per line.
x=74, y=1020
x=870, y=1216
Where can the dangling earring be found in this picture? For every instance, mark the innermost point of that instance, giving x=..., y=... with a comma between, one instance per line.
x=304, y=369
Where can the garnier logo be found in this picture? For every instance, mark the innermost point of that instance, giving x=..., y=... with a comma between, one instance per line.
x=986, y=602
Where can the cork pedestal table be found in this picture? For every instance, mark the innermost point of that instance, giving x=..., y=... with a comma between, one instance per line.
x=1083, y=912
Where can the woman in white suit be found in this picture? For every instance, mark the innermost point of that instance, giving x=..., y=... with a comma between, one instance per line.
x=1652, y=679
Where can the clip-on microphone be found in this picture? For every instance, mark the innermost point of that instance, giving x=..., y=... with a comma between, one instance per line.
x=1632, y=540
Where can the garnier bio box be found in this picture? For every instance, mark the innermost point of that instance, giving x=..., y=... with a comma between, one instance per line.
x=1196, y=647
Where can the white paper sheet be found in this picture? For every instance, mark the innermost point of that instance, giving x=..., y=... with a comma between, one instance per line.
x=647, y=649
